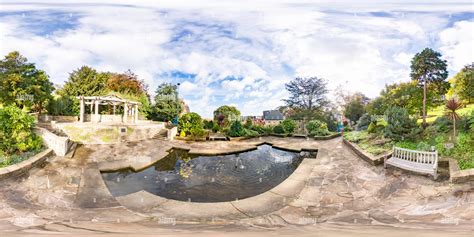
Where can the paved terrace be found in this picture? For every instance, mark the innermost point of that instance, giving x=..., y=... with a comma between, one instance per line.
x=341, y=195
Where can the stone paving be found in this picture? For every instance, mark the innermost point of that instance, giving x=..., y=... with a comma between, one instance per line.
x=342, y=195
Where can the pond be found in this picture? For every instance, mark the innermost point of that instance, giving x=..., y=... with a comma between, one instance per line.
x=185, y=177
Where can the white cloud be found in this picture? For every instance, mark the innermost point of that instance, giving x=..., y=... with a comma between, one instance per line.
x=403, y=58
x=457, y=44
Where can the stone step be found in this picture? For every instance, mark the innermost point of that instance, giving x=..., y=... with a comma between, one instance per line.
x=72, y=151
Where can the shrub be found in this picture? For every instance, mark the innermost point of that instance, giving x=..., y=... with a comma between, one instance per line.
x=407, y=145
x=377, y=127
x=317, y=128
x=364, y=122
x=371, y=128
x=236, y=129
x=355, y=136
x=464, y=151
x=248, y=123
x=251, y=133
x=190, y=121
x=467, y=122
x=430, y=132
x=443, y=124
x=16, y=131
x=278, y=129
x=215, y=128
x=197, y=132
x=289, y=125
x=211, y=125
x=259, y=129
x=399, y=125
x=268, y=129
x=63, y=105
x=208, y=124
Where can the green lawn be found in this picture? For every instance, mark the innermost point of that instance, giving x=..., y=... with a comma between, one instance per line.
x=440, y=111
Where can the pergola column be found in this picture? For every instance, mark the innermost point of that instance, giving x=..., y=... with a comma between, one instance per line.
x=81, y=113
x=125, y=112
x=97, y=102
x=136, y=113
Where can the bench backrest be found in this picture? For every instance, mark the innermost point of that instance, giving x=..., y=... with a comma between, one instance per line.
x=423, y=157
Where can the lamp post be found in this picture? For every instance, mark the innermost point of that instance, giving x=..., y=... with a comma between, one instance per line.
x=177, y=105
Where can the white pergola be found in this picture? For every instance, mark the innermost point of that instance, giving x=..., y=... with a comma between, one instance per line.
x=130, y=108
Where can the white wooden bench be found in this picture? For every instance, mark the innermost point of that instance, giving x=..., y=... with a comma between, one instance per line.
x=419, y=161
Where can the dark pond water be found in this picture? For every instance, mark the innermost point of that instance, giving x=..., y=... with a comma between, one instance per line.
x=183, y=177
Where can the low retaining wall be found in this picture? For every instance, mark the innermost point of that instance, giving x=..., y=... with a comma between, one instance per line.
x=327, y=137
x=60, y=145
x=457, y=175
x=96, y=133
x=374, y=160
x=24, y=166
x=171, y=133
x=49, y=118
x=318, y=138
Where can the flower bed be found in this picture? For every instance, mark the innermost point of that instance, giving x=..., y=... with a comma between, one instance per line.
x=25, y=165
x=369, y=143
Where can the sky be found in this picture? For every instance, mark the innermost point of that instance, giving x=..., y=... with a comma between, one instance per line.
x=239, y=53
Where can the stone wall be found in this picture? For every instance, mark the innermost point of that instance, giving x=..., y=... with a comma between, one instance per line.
x=49, y=118
x=457, y=175
x=172, y=132
x=24, y=166
x=60, y=145
x=96, y=133
x=374, y=160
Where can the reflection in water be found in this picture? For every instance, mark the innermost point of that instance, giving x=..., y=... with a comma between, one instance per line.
x=181, y=176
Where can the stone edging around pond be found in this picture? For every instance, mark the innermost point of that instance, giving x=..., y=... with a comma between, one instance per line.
x=374, y=160
x=456, y=175
x=317, y=138
x=267, y=202
x=24, y=166
x=109, y=166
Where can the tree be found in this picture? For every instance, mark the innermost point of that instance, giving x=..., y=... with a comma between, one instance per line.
x=427, y=67
x=451, y=106
x=463, y=83
x=355, y=106
x=22, y=84
x=406, y=95
x=63, y=105
x=85, y=81
x=307, y=94
x=225, y=114
x=127, y=83
x=167, y=106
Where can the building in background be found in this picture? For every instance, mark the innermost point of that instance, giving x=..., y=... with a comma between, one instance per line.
x=185, y=107
x=272, y=117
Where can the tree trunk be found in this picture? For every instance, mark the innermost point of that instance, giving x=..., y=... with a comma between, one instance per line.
x=424, y=102
x=454, y=130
